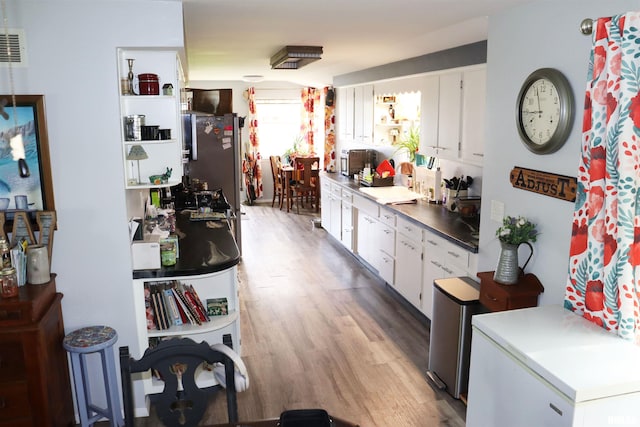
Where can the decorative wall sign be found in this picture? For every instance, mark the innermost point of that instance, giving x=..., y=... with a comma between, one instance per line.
x=22, y=228
x=46, y=221
x=545, y=183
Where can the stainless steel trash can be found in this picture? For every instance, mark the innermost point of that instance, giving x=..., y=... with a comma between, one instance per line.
x=455, y=300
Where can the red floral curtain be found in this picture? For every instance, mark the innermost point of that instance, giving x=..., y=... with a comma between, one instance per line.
x=602, y=284
x=329, y=130
x=310, y=96
x=251, y=162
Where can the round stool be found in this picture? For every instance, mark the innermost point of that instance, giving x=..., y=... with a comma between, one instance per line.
x=79, y=343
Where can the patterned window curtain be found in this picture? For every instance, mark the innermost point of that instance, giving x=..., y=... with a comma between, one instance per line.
x=310, y=96
x=602, y=284
x=251, y=162
x=329, y=130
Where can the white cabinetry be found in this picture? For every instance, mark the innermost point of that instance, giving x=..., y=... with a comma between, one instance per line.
x=367, y=225
x=441, y=259
x=474, y=96
x=429, y=117
x=386, y=245
x=346, y=218
x=159, y=110
x=325, y=203
x=363, y=114
x=449, y=112
x=408, y=276
x=223, y=284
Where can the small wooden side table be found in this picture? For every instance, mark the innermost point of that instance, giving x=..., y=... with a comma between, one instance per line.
x=497, y=297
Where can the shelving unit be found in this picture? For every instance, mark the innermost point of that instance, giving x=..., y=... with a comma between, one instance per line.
x=161, y=110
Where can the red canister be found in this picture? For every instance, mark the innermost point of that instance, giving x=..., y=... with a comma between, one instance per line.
x=148, y=84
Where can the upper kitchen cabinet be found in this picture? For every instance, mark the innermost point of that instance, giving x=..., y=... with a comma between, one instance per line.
x=474, y=94
x=453, y=106
x=150, y=110
x=345, y=113
x=363, y=114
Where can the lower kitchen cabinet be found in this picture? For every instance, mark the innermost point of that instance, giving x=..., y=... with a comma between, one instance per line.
x=408, y=277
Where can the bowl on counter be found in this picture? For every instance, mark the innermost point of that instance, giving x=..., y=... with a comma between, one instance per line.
x=467, y=206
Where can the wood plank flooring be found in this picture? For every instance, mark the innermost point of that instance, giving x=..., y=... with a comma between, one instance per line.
x=320, y=330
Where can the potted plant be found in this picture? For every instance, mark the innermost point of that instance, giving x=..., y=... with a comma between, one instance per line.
x=513, y=233
x=410, y=143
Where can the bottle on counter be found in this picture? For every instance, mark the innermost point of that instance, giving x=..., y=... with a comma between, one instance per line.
x=5, y=254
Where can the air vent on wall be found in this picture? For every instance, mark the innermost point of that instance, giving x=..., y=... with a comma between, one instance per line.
x=17, y=44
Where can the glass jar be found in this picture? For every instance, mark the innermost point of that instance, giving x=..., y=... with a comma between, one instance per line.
x=8, y=282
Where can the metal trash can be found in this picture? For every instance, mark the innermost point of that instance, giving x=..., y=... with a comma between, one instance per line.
x=455, y=300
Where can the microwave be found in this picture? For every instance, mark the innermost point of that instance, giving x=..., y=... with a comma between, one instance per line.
x=354, y=161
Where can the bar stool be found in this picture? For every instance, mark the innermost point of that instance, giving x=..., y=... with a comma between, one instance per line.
x=79, y=343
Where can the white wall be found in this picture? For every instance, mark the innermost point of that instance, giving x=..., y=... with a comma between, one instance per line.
x=536, y=35
x=72, y=62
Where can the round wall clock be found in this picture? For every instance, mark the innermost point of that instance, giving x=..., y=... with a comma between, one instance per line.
x=544, y=112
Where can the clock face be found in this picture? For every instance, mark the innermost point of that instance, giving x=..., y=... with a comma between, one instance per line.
x=540, y=112
x=544, y=111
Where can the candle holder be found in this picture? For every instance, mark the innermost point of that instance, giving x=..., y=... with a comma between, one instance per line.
x=130, y=76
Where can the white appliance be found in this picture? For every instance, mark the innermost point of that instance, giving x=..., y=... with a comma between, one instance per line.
x=545, y=366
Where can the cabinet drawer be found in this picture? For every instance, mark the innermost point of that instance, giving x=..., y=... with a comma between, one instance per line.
x=347, y=196
x=367, y=206
x=12, y=366
x=455, y=255
x=492, y=300
x=336, y=190
x=409, y=229
x=386, y=267
x=387, y=239
x=14, y=401
x=387, y=217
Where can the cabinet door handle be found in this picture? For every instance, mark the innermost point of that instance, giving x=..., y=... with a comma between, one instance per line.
x=492, y=298
x=454, y=254
x=555, y=408
x=431, y=242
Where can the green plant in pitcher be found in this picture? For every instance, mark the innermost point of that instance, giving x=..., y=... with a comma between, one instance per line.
x=410, y=143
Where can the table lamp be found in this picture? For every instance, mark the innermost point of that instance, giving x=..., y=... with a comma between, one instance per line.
x=137, y=153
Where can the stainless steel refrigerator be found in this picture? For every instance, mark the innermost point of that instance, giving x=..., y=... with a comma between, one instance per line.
x=213, y=146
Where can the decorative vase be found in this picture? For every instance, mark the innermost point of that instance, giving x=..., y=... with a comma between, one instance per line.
x=508, y=268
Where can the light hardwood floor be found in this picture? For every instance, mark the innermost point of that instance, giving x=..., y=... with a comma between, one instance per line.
x=320, y=330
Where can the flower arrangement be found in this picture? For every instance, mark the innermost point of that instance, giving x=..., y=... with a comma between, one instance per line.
x=517, y=230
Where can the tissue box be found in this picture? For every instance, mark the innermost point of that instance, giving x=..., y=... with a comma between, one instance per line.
x=145, y=254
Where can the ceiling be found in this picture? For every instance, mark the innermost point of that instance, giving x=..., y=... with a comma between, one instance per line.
x=229, y=39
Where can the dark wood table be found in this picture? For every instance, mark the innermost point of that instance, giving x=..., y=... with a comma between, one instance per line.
x=273, y=422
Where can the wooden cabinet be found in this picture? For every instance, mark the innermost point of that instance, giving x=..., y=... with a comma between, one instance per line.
x=386, y=241
x=363, y=114
x=473, y=115
x=449, y=114
x=325, y=203
x=160, y=110
x=430, y=116
x=497, y=297
x=346, y=218
x=35, y=387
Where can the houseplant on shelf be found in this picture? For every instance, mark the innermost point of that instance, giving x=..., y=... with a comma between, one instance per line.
x=410, y=142
x=515, y=231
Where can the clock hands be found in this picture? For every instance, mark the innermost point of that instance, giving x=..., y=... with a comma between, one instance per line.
x=539, y=109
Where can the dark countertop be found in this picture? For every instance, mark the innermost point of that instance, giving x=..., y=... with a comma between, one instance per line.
x=435, y=217
x=202, y=249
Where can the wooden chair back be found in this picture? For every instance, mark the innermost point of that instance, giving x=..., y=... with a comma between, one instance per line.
x=179, y=361
x=304, y=168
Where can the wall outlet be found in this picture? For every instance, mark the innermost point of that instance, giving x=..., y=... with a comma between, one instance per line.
x=497, y=211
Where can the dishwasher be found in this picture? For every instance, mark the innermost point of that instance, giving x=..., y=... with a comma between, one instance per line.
x=455, y=300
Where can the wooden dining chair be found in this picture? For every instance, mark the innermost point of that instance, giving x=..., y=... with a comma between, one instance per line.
x=177, y=362
x=306, y=183
x=278, y=185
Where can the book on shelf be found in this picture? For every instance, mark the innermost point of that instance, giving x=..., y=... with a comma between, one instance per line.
x=172, y=306
x=189, y=306
x=201, y=308
x=193, y=300
x=158, y=308
x=217, y=307
x=148, y=308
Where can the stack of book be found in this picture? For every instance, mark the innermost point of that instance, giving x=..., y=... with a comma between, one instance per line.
x=173, y=303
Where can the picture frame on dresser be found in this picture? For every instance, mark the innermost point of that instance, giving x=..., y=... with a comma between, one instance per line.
x=28, y=118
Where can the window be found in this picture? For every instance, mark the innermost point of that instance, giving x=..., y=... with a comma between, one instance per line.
x=278, y=125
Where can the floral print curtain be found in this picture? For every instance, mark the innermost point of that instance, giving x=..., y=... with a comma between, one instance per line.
x=603, y=280
x=251, y=162
x=329, y=130
x=310, y=96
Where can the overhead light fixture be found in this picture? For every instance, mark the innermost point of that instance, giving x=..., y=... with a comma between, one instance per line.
x=252, y=78
x=294, y=57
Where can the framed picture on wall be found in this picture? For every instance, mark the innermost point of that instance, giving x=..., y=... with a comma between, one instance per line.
x=34, y=192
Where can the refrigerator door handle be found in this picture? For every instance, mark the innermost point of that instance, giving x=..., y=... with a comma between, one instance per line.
x=194, y=139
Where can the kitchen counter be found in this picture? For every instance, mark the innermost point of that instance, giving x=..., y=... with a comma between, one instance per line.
x=435, y=217
x=204, y=247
